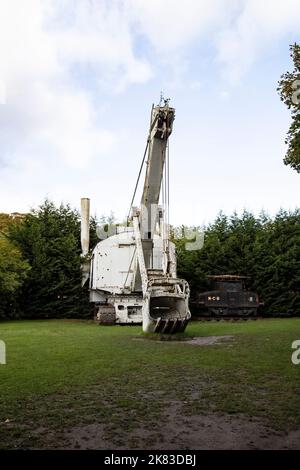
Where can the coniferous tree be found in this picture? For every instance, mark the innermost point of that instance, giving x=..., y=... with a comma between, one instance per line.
x=289, y=91
x=266, y=250
x=49, y=238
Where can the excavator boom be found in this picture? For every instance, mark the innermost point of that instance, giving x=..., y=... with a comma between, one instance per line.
x=165, y=298
x=132, y=274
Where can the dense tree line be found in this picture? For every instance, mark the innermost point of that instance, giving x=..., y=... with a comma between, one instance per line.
x=40, y=260
x=267, y=250
x=49, y=241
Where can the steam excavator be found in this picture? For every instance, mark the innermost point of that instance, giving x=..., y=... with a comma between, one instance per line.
x=132, y=272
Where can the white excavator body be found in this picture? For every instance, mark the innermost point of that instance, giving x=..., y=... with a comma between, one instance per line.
x=132, y=273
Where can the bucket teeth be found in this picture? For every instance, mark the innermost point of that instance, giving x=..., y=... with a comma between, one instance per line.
x=170, y=326
x=182, y=326
x=175, y=326
x=158, y=325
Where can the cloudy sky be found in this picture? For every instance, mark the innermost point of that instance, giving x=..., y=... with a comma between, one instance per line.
x=78, y=78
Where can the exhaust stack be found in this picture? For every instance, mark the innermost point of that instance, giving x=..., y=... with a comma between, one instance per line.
x=85, y=225
x=85, y=238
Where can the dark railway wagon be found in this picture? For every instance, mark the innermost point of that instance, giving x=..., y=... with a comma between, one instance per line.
x=228, y=297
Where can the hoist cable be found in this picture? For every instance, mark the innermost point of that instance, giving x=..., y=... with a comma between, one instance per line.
x=143, y=161
x=138, y=179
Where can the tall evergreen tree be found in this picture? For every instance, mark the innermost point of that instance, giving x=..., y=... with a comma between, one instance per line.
x=289, y=91
x=13, y=271
x=49, y=238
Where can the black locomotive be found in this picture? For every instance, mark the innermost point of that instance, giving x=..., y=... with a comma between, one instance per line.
x=228, y=297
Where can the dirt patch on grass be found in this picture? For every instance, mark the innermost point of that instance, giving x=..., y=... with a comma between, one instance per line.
x=196, y=341
x=176, y=431
x=209, y=340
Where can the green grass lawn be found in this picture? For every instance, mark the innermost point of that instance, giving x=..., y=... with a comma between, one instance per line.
x=61, y=374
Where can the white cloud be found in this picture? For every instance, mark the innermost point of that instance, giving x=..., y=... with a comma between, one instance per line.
x=42, y=42
x=63, y=61
x=252, y=32
x=240, y=30
x=100, y=36
x=170, y=25
x=46, y=112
